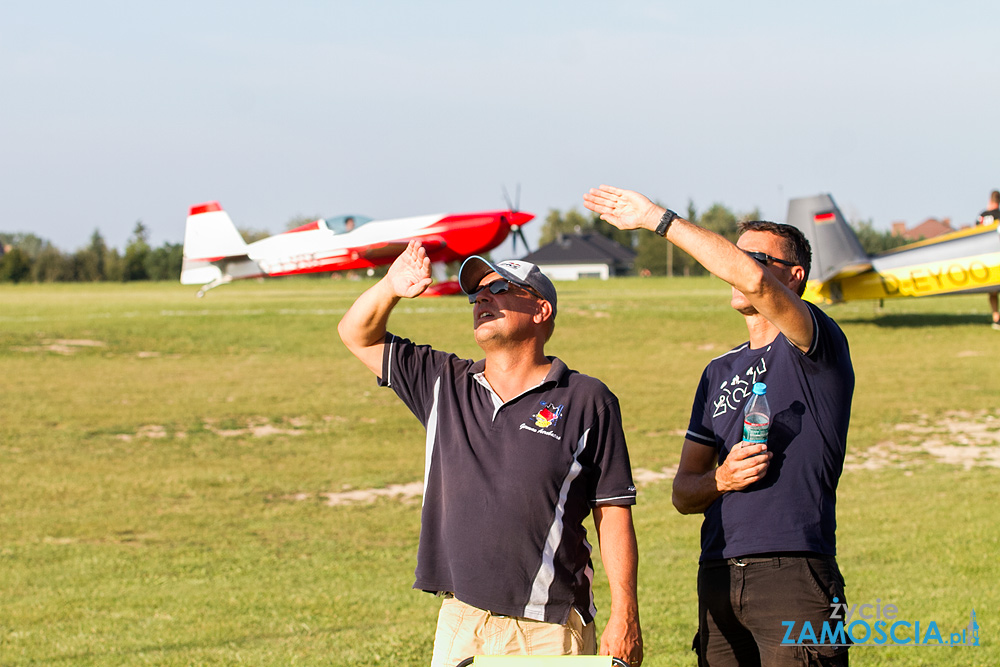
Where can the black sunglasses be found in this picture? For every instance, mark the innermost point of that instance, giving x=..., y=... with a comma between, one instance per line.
x=766, y=259
x=500, y=286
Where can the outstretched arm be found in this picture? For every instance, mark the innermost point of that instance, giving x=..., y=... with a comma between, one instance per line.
x=622, y=637
x=626, y=209
x=363, y=326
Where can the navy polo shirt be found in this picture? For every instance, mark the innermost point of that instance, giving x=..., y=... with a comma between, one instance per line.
x=507, y=486
x=793, y=508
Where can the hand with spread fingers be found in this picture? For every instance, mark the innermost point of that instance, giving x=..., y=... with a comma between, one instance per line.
x=410, y=274
x=624, y=209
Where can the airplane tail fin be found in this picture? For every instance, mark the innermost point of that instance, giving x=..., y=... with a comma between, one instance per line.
x=836, y=250
x=209, y=236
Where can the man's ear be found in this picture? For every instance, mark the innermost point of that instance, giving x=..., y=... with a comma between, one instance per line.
x=799, y=276
x=544, y=312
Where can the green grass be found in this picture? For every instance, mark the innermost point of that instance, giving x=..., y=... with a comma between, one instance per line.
x=144, y=521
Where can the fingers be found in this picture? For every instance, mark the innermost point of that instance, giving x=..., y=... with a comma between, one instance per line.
x=746, y=450
x=631, y=655
x=604, y=198
x=745, y=465
x=417, y=256
x=622, y=640
x=607, y=191
x=594, y=204
x=759, y=468
x=410, y=274
x=415, y=251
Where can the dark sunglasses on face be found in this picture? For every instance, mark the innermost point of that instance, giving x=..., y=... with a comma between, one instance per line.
x=766, y=259
x=500, y=286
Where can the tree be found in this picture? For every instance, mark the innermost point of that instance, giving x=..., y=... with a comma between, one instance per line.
x=136, y=254
x=90, y=261
x=114, y=266
x=557, y=224
x=29, y=244
x=15, y=266
x=656, y=260
x=652, y=253
x=720, y=220
x=52, y=266
x=164, y=263
x=573, y=222
x=874, y=241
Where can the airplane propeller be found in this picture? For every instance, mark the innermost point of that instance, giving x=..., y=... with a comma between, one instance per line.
x=516, y=231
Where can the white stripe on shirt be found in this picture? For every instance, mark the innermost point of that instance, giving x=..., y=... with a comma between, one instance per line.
x=535, y=609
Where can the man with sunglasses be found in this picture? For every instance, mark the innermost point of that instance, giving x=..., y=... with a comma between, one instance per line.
x=768, y=536
x=519, y=450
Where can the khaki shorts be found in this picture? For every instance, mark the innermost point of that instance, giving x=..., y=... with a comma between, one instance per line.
x=464, y=631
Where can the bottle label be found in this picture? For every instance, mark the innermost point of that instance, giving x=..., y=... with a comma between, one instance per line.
x=755, y=429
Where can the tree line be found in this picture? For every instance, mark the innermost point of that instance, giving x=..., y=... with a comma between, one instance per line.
x=28, y=258
x=654, y=257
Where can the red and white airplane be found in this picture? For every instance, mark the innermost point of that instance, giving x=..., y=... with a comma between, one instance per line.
x=215, y=253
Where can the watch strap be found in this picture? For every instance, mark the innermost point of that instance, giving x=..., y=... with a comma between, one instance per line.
x=665, y=222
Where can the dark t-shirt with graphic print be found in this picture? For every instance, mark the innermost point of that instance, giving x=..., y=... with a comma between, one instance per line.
x=507, y=486
x=793, y=508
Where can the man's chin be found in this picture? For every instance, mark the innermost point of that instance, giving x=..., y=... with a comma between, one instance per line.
x=746, y=310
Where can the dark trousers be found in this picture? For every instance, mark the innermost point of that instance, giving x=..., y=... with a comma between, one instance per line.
x=742, y=603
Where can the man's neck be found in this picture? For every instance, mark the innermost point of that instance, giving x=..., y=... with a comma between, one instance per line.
x=511, y=372
x=762, y=331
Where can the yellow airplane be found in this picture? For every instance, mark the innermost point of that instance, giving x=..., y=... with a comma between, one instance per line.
x=962, y=262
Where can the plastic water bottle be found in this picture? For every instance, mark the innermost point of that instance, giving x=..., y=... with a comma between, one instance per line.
x=756, y=416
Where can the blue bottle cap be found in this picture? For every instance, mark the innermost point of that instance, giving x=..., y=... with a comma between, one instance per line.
x=759, y=388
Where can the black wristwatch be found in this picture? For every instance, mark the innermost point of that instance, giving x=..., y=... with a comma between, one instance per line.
x=668, y=217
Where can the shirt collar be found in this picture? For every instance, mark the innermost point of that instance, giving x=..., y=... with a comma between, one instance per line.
x=556, y=372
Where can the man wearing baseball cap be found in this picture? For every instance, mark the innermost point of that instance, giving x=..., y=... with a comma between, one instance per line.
x=519, y=450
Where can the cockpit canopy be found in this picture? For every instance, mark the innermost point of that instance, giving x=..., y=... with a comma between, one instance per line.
x=338, y=225
x=341, y=225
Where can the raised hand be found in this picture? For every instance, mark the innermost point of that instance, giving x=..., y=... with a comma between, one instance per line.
x=624, y=209
x=410, y=274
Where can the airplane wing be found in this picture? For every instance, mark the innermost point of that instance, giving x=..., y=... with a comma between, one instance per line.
x=392, y=249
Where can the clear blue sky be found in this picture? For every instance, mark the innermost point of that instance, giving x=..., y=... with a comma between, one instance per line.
x=119, y=111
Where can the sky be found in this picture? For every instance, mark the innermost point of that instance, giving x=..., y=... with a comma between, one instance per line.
x=116, y=112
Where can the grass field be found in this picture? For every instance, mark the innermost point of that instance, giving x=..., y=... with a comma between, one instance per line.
x=170, y=467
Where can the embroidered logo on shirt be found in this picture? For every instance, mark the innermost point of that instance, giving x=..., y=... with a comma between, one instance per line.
x=548, y=415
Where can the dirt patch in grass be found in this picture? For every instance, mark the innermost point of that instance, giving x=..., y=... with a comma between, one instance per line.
x=62, y=346
x=414, y=490
x=257, y=427
x=960, y=438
